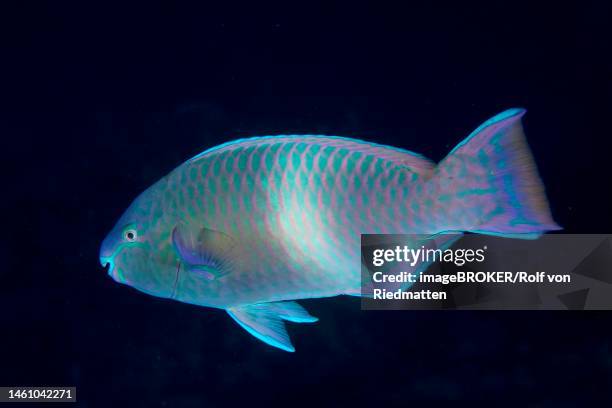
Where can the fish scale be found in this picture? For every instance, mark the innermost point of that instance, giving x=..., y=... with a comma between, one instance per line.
x=276, y=200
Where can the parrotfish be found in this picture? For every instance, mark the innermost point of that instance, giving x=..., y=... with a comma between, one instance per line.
x=253, y=225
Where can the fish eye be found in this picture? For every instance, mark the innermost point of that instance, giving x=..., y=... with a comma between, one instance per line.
x=130, y=235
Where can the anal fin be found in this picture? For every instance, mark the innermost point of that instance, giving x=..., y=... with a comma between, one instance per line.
x=265, y=321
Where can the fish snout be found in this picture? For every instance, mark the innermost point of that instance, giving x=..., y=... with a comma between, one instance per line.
x=106, y=254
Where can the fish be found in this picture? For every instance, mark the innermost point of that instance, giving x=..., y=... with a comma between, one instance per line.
x=254, y=225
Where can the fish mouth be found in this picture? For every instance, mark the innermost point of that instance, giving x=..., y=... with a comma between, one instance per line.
x=106, y=261
x=108, y=264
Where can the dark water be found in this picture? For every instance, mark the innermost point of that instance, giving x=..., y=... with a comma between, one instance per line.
x=100, y=101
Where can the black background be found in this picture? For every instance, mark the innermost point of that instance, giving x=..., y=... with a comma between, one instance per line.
x=98, y=101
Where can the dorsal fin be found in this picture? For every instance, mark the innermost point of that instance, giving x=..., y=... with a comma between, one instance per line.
x=401, y=157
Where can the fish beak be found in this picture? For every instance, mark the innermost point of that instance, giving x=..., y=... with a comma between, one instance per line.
x=107, y=261
x=106, y=253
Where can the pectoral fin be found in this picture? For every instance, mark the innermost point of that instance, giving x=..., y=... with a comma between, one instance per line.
x=205, y=251
x=265, y=321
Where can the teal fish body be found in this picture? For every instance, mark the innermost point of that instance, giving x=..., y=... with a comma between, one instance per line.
x=255, y=224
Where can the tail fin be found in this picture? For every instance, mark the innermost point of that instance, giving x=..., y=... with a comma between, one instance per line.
x=491, y=182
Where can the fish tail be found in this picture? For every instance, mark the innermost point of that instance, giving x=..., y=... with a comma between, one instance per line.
x=489, y=183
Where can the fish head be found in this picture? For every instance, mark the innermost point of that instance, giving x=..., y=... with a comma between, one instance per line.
x=138, y=250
